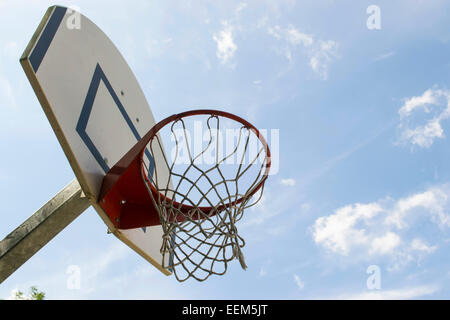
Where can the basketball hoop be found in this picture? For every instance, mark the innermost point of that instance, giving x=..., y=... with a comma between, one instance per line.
x=197, y=202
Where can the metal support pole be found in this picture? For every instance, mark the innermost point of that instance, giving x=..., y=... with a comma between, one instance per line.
x=33, y=234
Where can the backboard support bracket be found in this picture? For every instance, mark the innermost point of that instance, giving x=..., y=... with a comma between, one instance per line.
x=34, y=233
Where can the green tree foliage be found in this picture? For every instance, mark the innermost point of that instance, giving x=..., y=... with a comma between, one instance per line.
x=35, y=294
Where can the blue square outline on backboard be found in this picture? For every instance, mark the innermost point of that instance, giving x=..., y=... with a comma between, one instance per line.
x=98, y=76
x=83, y=120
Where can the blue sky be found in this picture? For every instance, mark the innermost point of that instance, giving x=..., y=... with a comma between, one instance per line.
x=364, y=119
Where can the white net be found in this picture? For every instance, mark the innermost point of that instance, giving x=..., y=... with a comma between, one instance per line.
x=210, y=184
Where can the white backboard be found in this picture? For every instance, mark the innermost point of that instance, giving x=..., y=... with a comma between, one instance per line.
x=95, y=106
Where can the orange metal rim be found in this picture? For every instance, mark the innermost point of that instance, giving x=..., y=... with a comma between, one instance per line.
x=176, y=117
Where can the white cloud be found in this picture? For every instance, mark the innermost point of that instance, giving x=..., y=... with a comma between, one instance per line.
x=429, y=97
x=262, y=272
x=288, y=182
x=226, y=47
x=295, y=37
x=381, y=228
x=420, y=245
x=287, y=53
x=338, y=231
x=413, y=251
x=385, y=56
x=320, y=53
x=424, y=136
x=275, y=32
x=300, y=284
x=240, y=7
x=435, y=103
x=434, y=201
x=322, y=56
x=385, y=244
x=396, y=294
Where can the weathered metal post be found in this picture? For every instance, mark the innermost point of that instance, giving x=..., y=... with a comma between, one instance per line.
x=33, y=234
